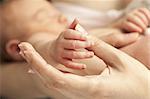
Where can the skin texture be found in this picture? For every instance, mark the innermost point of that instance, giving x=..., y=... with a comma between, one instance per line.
x=140, y=52
x=36, y=27
x=37, y=20
x=73, y=44
x=136, y=21
x=29, y=17
x=107, y=85
x=28, y=81
x=22, y=19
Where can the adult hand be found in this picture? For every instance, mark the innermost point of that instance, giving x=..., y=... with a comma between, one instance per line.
x=125, y=77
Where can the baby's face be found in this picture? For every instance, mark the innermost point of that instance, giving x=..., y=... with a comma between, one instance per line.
x=44, y=17
x=32, y=16
x=22, y=18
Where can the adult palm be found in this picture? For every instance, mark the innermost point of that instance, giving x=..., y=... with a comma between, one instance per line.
x=124, y=78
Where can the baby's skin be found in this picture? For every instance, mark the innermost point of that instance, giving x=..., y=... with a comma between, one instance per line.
x=42, y=23
x=135, y=21
x=67, y=53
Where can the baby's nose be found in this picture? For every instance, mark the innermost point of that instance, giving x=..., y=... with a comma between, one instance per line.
x=62, y=19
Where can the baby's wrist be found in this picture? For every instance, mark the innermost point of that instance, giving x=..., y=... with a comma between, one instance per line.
x=51, y=48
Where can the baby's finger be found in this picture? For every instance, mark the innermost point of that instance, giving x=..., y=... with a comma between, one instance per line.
x=76, y=44
x=72, y=34
x=71, y=54
x=146, y=12
x=142, y=17
x=130, y=27
x=137, y=21
x=74, y=23
x=70, y=64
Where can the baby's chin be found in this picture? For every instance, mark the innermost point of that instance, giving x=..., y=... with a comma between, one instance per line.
x=140, y=50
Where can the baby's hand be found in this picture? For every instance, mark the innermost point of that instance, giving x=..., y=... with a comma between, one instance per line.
x=68, y=47
x=137, y=20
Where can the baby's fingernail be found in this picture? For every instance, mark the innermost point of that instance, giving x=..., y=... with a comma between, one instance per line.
x=91, y=54
x=84, y=66
x=83, y=36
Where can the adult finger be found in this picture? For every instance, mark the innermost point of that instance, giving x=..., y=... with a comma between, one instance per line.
x=39, y=64
x=111, y=56
x=119, y=40
x=52, y=77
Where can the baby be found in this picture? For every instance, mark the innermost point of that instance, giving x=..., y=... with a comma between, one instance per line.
x=20, y=24
x=34, y=23
x=41, y=25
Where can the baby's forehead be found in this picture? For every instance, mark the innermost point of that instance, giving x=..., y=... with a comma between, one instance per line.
x=24, y=8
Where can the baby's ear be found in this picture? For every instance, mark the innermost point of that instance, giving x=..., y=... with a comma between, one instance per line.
x=13, y=50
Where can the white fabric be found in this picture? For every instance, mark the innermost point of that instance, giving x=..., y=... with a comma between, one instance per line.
x=138, y=3
x=89, y=18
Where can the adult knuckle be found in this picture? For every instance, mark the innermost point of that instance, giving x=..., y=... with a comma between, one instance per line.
x=59, y=83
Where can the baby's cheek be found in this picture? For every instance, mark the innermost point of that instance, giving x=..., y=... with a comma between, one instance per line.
x=140, y=50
